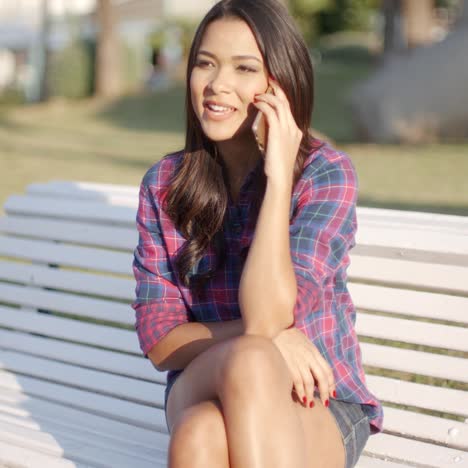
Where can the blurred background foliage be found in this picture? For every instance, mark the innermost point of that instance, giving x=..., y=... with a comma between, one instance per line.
x=78, y=132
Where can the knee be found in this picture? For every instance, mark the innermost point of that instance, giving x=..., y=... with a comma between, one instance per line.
x=198, y=435
x=253, y=363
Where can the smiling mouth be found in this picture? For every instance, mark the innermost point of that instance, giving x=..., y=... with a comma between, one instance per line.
x=219, y=109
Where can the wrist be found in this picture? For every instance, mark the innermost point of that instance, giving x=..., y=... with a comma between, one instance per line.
x=281, y=186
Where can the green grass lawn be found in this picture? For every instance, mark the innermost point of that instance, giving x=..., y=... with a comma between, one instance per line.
x=116, y=142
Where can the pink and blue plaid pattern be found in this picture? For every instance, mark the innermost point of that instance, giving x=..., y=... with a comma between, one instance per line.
x=322, y=230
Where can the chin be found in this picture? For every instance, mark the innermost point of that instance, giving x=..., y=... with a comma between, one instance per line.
x=220, y=134
x=224, y=133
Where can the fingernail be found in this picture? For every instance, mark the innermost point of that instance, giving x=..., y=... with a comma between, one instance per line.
x=304, y=400
x=327, y=403
x=311, y=404
x=334, y=393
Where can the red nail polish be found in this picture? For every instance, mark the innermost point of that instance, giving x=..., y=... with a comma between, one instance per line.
x=304, y=400
x=311, y=404
x=334, y=393
x=327, y=403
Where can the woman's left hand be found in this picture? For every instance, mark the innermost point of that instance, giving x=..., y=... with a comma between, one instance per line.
x=284, y=136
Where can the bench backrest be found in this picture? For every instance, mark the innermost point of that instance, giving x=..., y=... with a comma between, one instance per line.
x=66, y=251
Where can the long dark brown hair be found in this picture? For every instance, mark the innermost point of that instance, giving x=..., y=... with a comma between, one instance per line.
x=197, y=196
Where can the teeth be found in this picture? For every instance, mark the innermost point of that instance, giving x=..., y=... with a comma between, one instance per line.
x=216, y=108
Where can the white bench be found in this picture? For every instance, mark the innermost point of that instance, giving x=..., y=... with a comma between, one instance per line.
x=78, y=393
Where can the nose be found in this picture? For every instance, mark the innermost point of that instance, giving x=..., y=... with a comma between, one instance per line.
x=220, y=81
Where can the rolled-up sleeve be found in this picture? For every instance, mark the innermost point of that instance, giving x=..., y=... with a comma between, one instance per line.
x=322, y=231
x=159, y=306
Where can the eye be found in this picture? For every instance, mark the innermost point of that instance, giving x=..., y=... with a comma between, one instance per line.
x=246, y=68
x=202, y=63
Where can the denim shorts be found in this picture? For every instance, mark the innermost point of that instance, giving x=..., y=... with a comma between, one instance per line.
x=350, y=417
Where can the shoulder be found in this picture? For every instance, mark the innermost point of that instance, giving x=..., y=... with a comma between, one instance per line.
x=327, y=160
x=328, y=174
x=159, y=175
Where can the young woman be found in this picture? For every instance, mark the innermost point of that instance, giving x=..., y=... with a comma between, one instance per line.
x=241, y=262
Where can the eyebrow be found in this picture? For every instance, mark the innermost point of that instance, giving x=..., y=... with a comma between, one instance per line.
x=236, y=57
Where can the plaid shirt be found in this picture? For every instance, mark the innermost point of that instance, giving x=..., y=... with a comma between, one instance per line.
x=322, y=229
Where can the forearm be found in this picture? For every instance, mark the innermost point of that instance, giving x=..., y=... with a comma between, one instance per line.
x=268, y=289
x=182, y=344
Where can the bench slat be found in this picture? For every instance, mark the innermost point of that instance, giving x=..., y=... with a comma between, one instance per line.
x=34, y=412
x=431, y=221
x=87, y=356
x=56, y=301
x=415, y=452
x=426, y=427
x=70, y=231
x=80, y=447
x=421, y=244
x=81, y=189
x=411, y=331
x=446, y=278
x=76, y=281
x=415, y=362
x=66, y=209
x=68, y=255
x=95, y=381
x=23, y=457
x=371, y=462
x=443, y=399
x=72, y=330
x=101, y=405
x=407, y=302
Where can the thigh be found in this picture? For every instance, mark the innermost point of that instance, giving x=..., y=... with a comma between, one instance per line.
x=224, y=364
x=199, y=437
x=336, y=435
x=197, y=382
x=324, y=442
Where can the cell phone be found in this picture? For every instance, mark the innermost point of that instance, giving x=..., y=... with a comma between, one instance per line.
x=260, y=127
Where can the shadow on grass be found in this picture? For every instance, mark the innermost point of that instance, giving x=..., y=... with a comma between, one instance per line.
x=461, y=210
x=148, y=112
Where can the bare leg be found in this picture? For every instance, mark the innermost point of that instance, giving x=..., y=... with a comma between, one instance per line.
x=199, y=439
x=263, y=427
x=233, y=407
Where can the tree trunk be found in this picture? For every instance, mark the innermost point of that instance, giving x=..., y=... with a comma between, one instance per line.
x=108, y=80
x=419, y=21
x=463, y=21
x=394, y=40
x=43, y=62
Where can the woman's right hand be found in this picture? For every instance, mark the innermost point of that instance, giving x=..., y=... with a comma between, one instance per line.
x=307, y=366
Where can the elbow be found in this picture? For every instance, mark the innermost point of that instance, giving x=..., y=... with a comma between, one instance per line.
x=155, y=360
x=271, y=324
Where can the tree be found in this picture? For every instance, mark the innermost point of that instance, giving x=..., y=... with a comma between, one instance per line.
x=108, y=79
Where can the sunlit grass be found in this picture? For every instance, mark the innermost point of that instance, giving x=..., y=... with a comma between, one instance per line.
x=116, y=143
